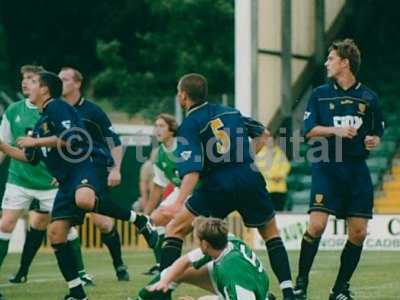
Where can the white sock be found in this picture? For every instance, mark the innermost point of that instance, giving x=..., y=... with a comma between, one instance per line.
x=133, y=217
x=74, y=283
x=5, y=236
x=72, y=234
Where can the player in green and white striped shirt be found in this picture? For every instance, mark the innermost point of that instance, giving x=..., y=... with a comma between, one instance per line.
x=26, y=183
x=223, y=265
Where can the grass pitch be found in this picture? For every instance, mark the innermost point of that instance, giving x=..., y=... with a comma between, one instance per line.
x=376, y=278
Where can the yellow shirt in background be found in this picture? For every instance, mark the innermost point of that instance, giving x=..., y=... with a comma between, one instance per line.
x=275, y=167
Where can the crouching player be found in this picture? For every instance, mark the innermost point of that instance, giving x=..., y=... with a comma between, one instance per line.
x=223, y=265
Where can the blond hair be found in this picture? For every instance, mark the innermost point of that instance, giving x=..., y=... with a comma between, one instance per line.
x=212, y=230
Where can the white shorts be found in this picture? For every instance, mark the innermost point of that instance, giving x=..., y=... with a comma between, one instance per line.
x=16, y=197
x=170, y=199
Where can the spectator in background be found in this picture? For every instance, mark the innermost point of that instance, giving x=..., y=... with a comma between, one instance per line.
x=145, y=182
x=275, y=167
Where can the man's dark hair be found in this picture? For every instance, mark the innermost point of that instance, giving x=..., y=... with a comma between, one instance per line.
x=171, y=122
x=52, y=82
x=31, y=69
x=347, y=49
x=195, y=85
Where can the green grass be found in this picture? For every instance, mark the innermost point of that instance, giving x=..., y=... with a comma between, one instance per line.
x=377, y=277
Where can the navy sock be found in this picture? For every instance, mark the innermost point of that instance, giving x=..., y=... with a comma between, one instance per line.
x=279, y=261
x=67, y=266
x=309, y=249
x=348, y=263
x=34, y=239
x=170, y=251
x=113, y=243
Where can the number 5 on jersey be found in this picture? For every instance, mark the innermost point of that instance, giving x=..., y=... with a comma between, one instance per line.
x=223, y=141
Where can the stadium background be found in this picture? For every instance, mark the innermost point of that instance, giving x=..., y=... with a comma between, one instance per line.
x=132, y=52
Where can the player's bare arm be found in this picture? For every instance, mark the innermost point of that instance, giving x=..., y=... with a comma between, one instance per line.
x=155, y=196
x=172, y=275
x=13, y=152
x=189, y=181
x=114, y=178
x=326, y=131
x=29, y=142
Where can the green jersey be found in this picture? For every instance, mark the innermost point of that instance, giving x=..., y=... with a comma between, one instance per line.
x=237, y=273
x=165, y=166
x=18, y=119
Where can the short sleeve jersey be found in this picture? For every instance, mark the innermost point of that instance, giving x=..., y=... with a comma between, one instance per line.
x=60, y=119
x=18, y=121
x=165, y=166
x=100, y=130
x=212, y=136
x=237, y=273
x=357, y=107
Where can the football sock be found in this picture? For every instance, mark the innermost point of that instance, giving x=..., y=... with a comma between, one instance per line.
x=309, y=248
x=113, y=243
x=67, y=266
x=34, y=239
x=157, y=249
x=108, y=208
x=4, y=241
x=280, y=265
x=75, y=247
x=348, y=263
x=171, y=251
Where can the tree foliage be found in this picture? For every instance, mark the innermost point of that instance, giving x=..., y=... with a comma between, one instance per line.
x=131, y=51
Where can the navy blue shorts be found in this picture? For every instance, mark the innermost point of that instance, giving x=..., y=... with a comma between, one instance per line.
x=235, y=188
x=84, y=175
x=342, y=189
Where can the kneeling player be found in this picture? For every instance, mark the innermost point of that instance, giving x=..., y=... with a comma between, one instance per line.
x=223, y=265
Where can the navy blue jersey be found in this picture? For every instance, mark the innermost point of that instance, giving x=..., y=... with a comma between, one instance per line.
x=100, y=130
x=60, y=119
x=357, y=107
x=212, y=136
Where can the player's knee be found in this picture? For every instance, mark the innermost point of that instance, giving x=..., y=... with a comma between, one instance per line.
x=269, y=230
x=176, y=229
x=56, y=236
x=103, y=223
x=85, y=198
x=159, y=219
x=39, y=221
x=316, y=229
x=7, y=225
x=358, y=235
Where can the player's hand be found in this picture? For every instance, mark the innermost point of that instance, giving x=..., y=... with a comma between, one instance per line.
x=371, y=142
x=26, y=142
x=160, y=286
x=346, y=132
x=114, y=178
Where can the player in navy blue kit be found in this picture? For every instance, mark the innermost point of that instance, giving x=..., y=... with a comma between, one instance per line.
x=104, y=137
x=213, y=146
x=61, y=141
x=347, y=114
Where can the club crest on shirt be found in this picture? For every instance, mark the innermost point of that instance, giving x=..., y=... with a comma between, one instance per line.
x=186, y=154
x=45, y=128
x=361, y=108
x=331, y=106
x=319, y=198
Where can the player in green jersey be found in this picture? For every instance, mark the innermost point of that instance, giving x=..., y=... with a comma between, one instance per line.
x=165, y=128
x=27, y=183
x=223, y=265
